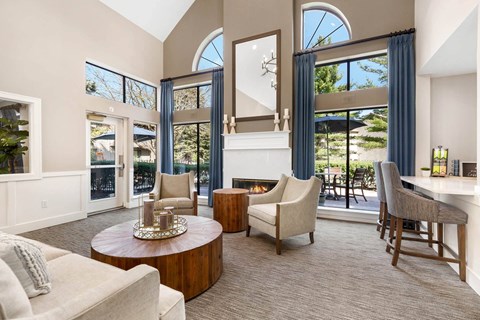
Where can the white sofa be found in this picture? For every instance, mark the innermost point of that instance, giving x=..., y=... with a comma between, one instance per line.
x=83, y=288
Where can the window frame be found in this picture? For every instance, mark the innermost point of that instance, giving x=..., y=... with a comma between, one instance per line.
x=35, y=137
x=201, y=48
x=348, y=61
x=186, y=87
x=124, y=86
x=324, y=7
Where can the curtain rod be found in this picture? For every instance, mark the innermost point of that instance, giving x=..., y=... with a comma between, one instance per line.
x=344, y=44
x=191, y=74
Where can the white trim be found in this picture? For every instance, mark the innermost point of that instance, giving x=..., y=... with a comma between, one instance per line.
x=35, y=137
x=352, y=57
x=351, y=215
x=64, y=173
x=44, y=223
x=191, y=85
x=203, y=45
x=327, y=7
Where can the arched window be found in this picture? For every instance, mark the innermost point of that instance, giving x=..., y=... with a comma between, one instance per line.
x=323, y=24
x=210, y=52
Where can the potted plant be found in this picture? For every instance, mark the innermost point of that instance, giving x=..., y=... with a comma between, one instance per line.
x=425, y=171
x=11, y=142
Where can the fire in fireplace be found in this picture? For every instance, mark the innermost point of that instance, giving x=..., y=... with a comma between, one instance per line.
x=254, y=186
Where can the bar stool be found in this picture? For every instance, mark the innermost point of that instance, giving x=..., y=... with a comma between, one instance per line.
x=408, y=205
x=383, y=213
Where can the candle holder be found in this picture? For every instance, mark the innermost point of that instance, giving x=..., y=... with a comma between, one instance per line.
x=286, y=127
x=225, y=126
x=277, y=125
x=232, y=126
x=163, y=222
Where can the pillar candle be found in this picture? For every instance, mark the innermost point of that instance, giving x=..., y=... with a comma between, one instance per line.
x=286, y=111
x=276, y=115
x=148, y=212
x=225, y=117
x=233, y=120
x=163, y=220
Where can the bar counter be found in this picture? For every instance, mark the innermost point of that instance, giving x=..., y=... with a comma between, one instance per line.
x=463, y=193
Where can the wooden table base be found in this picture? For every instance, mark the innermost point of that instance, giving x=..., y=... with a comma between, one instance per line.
x=190, y=263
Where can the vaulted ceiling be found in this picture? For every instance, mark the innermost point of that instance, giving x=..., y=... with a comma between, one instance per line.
x=157, y=17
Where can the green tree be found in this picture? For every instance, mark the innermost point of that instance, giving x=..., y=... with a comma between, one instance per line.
x=11, y=143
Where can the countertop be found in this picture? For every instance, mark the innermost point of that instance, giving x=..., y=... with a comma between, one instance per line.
x=446, y=185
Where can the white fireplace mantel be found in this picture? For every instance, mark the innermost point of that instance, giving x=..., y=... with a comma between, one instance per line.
x=256, y=155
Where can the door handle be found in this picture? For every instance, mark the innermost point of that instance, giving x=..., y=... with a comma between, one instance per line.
x=122, y=165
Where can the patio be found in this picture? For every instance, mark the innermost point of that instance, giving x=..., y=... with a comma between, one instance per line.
x=372, y=203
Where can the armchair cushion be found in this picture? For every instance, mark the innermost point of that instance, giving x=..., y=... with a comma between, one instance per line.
x=265, y=212
x=177, y=203
x=175, y=186
x=294, y=189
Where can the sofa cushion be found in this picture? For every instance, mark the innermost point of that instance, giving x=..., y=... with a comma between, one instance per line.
x=177, y=203
x=294, y=189
x=265, y=212
x=14, y=302
x=72, y=275
x=27, y=262
x=174, y=186
x=49, y=252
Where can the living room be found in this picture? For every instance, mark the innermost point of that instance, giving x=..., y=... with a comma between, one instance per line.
x=51, y=48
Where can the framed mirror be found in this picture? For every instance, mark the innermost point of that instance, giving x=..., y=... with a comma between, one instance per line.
x=256, y=77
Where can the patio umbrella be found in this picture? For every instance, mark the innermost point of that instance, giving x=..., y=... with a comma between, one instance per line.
x=334, y=124
x=139, y=135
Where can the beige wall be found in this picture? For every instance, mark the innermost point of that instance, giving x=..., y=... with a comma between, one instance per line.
x=44, y=48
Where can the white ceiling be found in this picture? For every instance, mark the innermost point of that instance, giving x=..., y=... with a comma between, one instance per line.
x=157, y=17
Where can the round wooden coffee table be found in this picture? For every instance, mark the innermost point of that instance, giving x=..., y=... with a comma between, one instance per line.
x=190, y=263
x=230, y=208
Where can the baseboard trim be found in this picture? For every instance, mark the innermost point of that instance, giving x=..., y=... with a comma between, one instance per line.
x=347, y=215
x=44, y=223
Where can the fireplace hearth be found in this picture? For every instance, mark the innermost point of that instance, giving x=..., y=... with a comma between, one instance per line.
x=254, y=186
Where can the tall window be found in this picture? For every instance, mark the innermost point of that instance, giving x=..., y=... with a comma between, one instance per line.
x=322, y=27
x=144, y=157
x=111, y=85
x=191, y=142
x=210, y=52
x=348, y=141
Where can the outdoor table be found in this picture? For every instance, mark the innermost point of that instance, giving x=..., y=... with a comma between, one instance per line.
x=322, y=176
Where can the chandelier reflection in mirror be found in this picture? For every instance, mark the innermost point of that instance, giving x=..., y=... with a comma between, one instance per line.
x=269, y=65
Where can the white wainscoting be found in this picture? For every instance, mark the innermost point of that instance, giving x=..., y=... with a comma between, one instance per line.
x=62, y=193
x=256, y=155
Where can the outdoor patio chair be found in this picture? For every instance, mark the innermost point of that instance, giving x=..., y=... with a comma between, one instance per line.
x=176, y=191
x=287, y=210
x=356, y=182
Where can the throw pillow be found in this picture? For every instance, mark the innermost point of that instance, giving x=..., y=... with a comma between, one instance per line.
x=14, y=302
x=27, y=262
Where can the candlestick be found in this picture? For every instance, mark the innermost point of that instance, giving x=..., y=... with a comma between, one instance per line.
x=225, y=126
x=285, y=121
x=276, y=122
x=232, y=126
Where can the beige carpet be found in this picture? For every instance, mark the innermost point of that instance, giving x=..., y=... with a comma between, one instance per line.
x=346, y=274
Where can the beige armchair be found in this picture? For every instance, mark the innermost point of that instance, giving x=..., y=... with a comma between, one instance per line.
x=176, y=191
x=287, y=210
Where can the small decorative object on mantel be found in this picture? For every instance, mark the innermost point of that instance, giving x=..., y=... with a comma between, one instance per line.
x=276, y=122
x=161, y=223
x=439, y=162
x=469, y=169
x=232, y=126
x=286, y=117
x=225, y=124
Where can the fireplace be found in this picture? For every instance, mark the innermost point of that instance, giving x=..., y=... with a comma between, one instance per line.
x=254, y=186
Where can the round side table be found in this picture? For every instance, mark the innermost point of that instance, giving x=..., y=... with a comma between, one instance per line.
x=230, y=208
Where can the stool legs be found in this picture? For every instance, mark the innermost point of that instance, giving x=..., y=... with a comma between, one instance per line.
x=461, y=252
x=384, y=220
x=440, y=239
x=391, y=232
x=430, y=233
x=398, y=241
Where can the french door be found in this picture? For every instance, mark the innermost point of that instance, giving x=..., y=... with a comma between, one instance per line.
x=106, y=163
